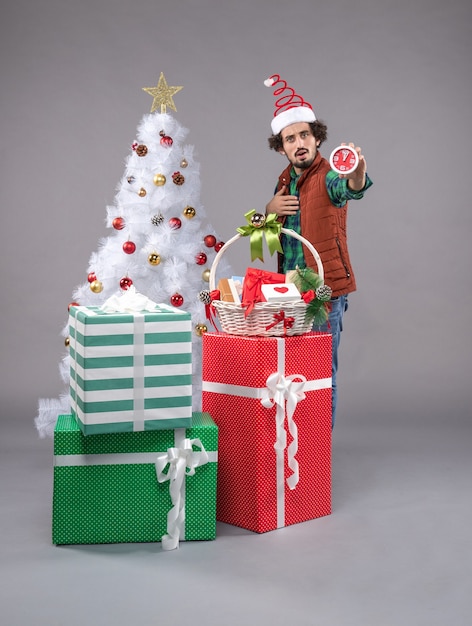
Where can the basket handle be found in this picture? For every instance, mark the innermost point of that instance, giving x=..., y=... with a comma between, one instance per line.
x=286, y=231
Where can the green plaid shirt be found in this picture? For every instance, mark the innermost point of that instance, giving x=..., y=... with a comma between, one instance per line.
x=338, y=192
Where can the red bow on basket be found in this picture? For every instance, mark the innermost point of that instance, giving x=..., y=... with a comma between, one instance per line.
x=252, y=286
x=210, y=309
x=288, y=322
x=308, y=296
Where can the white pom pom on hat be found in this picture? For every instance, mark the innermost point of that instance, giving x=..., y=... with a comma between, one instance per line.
x=290, y=107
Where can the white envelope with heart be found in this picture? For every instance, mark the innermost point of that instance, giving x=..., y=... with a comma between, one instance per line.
x=280, y=292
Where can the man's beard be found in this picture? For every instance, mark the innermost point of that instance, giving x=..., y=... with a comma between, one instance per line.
x=303, y=165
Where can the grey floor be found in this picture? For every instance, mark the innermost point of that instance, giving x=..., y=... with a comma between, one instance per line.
x=396, y=550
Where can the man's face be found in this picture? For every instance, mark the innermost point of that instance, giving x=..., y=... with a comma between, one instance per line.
x=299, y=145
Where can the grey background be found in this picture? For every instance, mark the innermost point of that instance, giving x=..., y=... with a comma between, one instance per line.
x=392, y=76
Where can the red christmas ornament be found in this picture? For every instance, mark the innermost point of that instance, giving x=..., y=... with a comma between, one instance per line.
x=91, y=277
x=118, y=223
x=176, y=300
x=209, y=241
x=166, y=141
x=125, y=283
x=175, y=223
x=201, y=258
x=219, y=245
x=72, y=304
x=129, y=247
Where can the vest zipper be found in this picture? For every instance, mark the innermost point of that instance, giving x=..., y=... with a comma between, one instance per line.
x=346, y=269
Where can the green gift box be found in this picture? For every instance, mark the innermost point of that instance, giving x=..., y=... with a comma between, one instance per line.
x=142, y=486
x=130, y=371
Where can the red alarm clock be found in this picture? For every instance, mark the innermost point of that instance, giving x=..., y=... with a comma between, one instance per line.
x=344, y=159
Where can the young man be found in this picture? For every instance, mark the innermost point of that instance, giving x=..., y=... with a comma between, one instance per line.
x=312, y=200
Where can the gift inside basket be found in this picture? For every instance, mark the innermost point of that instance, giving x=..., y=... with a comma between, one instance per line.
x=269, y=319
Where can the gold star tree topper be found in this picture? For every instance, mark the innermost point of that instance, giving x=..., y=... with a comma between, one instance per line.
x=162, y=95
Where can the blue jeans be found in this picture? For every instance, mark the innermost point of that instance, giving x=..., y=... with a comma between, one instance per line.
x=334, y=326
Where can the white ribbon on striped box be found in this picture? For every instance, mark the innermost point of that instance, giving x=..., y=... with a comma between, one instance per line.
x=138, y=370
x=95, y=403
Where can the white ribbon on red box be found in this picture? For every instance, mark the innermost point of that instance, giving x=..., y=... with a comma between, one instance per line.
x=284, y=392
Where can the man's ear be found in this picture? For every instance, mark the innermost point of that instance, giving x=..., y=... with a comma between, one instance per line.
x=282, y=152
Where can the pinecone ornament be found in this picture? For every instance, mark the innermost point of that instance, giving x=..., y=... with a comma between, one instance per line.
x=323, y=293
x=157, y=219
x=204, y=296
x=141, y=150
x=178, y=178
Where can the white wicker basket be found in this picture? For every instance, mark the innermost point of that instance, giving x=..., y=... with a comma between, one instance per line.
x=232, y=315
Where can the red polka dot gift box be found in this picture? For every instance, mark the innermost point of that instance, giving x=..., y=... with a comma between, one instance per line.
x=128, y=487
x=271, y=400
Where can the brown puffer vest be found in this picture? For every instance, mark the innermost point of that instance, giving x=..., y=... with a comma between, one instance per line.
x=324, y=225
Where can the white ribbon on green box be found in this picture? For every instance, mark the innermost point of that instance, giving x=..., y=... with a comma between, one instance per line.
x=180, y=461
x=284, y=392
x=130, y=370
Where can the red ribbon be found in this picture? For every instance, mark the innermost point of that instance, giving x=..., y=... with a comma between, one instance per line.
x=210, y=309
x=308, y=296
x=253, y=281
x=288, y=322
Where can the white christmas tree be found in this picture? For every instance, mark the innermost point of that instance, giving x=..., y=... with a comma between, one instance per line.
x=161, y=243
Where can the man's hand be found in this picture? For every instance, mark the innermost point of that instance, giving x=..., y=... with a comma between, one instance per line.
x=356, y=179
x=283, y=205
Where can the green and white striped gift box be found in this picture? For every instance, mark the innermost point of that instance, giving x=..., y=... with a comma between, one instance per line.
x=130, y=371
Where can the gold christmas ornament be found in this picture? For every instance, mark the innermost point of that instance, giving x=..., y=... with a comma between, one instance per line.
x=189, y=212
x=162, y=95
x=67, y=342
x=159, y=180
x=142, y=192
x=206, y=275
x=154, y=259
x=200, y=329
x=184, y=163
x=96, y=286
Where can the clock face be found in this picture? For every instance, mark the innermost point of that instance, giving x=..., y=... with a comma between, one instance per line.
x=344, y=159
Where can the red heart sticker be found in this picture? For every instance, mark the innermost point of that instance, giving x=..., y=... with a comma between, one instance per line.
x=281, y=289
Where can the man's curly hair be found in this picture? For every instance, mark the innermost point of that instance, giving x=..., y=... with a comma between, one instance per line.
x=318, y=128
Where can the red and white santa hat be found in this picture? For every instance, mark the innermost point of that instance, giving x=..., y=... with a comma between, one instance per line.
x=290, y=107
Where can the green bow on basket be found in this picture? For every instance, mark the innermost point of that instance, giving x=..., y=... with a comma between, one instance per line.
x=257, y=227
